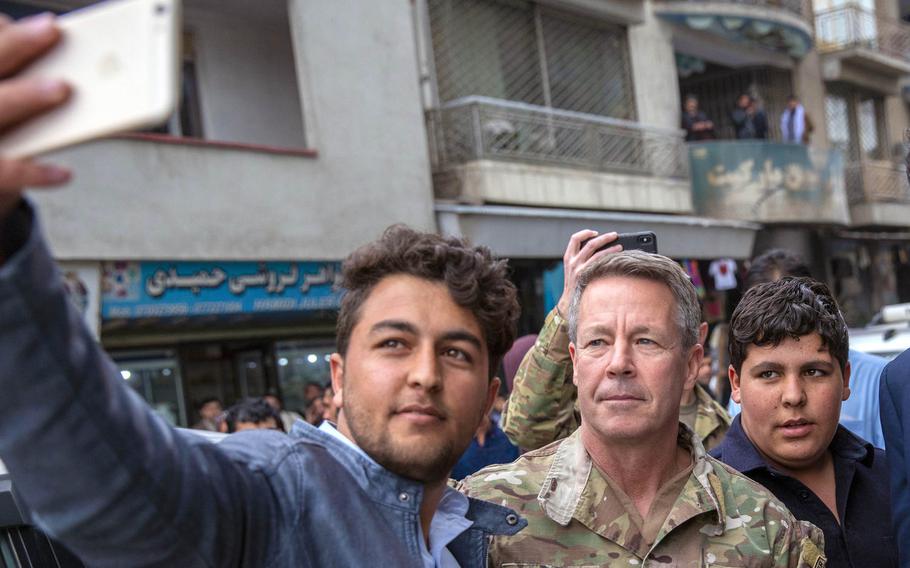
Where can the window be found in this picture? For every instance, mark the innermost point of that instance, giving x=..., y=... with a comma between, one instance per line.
x=856, y=123
x=519, y=51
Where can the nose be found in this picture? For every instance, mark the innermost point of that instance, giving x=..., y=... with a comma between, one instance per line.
x=425, y=369
x=794, y=394
x=620, y=364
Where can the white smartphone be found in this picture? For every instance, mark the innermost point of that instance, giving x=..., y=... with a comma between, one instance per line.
x=121, y=58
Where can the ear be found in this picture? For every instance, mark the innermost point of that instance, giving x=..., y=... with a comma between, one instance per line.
x=693, y=364
x=734, y=385
x=847, y=372
x=573, y=355
x=336, y=366
x=703, y=333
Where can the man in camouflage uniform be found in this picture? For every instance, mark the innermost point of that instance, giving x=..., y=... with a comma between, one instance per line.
x=632, y=486
x=542, y=408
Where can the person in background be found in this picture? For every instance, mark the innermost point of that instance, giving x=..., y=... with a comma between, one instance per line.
x=895, y=408
x=250, y=414
x=315, y=410
x=489, y=446
x=697, y=125
x=632, y=486
x=288, y=417
x=861, y=412
x=330, y=411
x=795, y=125
x=311, y=392
x=789, y=371
x=542, y=408
x=749, y=121
x=209, y=409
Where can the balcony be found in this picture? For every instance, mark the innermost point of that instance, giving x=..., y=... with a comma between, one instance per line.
x=860, y=47
x=490, y=150
x=768, y=182
x=879, y=193
x=783, y=26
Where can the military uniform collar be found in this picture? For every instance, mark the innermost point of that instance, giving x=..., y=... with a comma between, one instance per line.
x=563, y=497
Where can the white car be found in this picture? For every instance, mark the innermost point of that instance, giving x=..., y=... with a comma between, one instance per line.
x=887, y=336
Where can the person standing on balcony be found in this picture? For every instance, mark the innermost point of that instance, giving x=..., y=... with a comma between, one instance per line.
x=795, y=125
x=750, y=121
x=697, y=125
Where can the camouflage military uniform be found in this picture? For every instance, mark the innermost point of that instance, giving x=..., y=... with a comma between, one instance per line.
x=542, y=408
x=720, y=518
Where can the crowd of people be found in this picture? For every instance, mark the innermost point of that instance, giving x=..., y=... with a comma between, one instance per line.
x=269, y=411
x=750, y=122
x=628, y=460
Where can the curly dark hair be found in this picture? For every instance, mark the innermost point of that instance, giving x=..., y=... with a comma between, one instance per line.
x=789, y=307
x=475, y=280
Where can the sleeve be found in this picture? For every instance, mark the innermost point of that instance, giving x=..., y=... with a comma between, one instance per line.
x=800, y=545
x=541, y=408
x=891, y=400
x=96, y=468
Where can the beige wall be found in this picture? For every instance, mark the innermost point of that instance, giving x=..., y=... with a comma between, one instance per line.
x=136, y=200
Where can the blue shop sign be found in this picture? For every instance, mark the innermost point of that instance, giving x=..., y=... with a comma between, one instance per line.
x=179, y=289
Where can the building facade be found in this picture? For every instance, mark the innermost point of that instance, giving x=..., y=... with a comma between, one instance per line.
x=205, y=253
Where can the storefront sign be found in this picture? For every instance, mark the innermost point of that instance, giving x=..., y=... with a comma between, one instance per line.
x=768, y=181
x=177, y=289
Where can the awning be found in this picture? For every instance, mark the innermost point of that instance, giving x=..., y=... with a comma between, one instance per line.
x=530, y=232
x=769, y=26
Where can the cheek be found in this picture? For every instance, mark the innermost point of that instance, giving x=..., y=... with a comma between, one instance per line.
x=758, y=400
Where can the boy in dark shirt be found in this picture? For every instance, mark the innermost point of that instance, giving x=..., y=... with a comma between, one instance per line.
x=789, y=371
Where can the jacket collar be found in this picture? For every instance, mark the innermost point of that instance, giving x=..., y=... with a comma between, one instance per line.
x=738, y=451
x=391, y=490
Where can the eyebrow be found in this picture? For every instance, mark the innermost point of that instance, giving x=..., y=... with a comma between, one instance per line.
x=397, y=325
x=409, y=328
x=806, y=365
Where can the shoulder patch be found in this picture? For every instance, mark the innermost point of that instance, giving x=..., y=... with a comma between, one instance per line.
x=810, y=556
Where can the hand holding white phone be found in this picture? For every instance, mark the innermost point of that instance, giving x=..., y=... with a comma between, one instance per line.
x=121, y=59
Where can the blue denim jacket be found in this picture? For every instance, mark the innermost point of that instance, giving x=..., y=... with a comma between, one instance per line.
x=120, y=487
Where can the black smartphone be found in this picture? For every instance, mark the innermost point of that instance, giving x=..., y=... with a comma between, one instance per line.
x=644, y=240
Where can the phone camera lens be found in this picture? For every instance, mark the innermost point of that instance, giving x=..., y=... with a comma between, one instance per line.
x=644, y=239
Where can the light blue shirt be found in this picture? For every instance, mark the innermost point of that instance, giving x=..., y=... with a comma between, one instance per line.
x=859, y=413
x=448, y=522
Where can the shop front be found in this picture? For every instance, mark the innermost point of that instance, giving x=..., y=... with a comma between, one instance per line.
x=185, y=332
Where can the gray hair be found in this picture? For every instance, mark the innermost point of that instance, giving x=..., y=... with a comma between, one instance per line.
x=640, y=264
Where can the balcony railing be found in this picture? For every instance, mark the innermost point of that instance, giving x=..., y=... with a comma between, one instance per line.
x=798, y=7
x=876, y=182
x=479, y=128
x=853, y=26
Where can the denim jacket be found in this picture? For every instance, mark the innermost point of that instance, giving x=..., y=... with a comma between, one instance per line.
x=111, y=480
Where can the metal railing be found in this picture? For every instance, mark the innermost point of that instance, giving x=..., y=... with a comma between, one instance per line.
x=853, y=26
x=476, y=128
x=801, y=8
x=876, y=182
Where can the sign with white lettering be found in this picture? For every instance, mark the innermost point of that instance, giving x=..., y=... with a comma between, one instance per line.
x=180, y=289
x=768, y=182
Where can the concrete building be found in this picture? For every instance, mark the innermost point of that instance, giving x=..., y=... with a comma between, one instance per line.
x=205, y=253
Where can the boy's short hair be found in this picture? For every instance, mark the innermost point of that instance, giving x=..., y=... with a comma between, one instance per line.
x=475, y=281
x=789, y=307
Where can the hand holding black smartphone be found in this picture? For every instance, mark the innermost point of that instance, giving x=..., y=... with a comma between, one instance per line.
x=644, y=240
